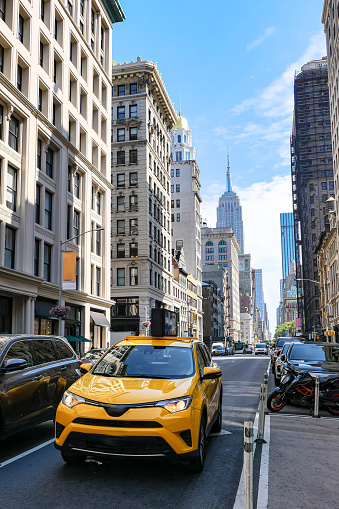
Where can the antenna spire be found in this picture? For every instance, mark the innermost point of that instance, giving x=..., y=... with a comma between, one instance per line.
x=228, y=175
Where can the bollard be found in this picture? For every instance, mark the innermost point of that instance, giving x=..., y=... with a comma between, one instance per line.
x=248, y=465
x=266, y=390
x=316, y=397
x=261, y=424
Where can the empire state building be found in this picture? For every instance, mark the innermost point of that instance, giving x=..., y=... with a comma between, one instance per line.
x=229, y=212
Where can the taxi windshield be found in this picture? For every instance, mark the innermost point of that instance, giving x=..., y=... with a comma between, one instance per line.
x=146, y=361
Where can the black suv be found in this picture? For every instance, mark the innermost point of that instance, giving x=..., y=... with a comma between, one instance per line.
x=34, y=373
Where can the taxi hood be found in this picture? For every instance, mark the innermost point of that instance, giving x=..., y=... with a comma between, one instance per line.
x=128, y=391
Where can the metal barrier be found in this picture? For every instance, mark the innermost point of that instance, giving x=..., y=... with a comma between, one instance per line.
x=316, y=397
x=261, y=424
x=248, y=465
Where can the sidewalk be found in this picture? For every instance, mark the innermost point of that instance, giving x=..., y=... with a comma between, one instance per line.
x=303, y=462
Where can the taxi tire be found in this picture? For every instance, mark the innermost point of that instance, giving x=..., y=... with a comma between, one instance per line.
x=197, y=464
x=72, y=460
x=217, y=425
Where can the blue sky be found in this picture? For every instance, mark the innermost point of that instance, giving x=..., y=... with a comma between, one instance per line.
x=234, y=63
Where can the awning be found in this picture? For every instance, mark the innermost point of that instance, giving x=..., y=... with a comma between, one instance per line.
x=42, y=308
x=99, y=319
x=78, y=338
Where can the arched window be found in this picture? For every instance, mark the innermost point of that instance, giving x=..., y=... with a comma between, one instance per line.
x=179, y=138
x=209, y=243
x=222, y=243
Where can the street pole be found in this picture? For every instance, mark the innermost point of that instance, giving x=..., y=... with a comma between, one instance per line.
x=61, y=269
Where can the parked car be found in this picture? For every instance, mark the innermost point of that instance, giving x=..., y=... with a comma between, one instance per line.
x=261, y=348
x=277, y=348
x=145, y=397
x=219, y=349
x=34, y=373
x=279, y=362
x=93, y=355
x=248, y=351
x=310, y=356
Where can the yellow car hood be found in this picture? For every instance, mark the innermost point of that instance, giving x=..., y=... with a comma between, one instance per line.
x=128, y=391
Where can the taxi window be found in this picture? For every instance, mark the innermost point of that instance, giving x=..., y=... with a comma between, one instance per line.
x=207, y=354
x=20, y=350
x=201, y=359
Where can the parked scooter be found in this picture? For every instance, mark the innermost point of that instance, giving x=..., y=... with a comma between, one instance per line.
x=298, y=389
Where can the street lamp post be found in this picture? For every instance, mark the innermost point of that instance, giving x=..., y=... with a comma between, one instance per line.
x=62, y=242
x=325, y=299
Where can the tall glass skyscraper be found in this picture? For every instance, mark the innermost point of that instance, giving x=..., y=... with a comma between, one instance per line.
x=229, y=212
x=287, y=243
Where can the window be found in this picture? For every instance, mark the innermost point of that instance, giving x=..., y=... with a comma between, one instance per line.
x=92, y=21
x=13, y=134
x=133, y=250
x=331, y=186
x=121, y=227
x=19, y=78
x=47, y=261
x=133, y=276
x=209, y=243
x=172, y=173
x=178, y=204
x=68, y=224
x=20, y=350
x=70, y=8
x=82, y=3
x=177, y=172
x=209, y=250
x=11, y=196
x=121, y=157
x=172, y=188
x=2, y=51
x=42, y=10
x=133, y=202
x=121, y=112
x=172, y=218
x=48, y=210
x=98, y=203
x=21, y=29
x=76, y=226
x=222, y=249
x=133, y=133
x=120, y=203
x=177, y=188
x=133, y=226
x=133, y=89
x=98, y=243
x=222, y=257
x=324, y=186
x=3, y=10
x=178, y=156
x=76, y=185
x=38, y=156
x=120, y=277
x=37, y=204
x=121, y=90
x=40, y=99
x=178, y=218
x=36, y=257
x=172, y=204
x=133, y=157
x=9, y=247
x=49, y=162
x=133, y=111
x=121, y=135
x=97, y=280
x=121, y=180
x=179, y=138
x=120, y=250
x=209, y=258
x=1, y=120
x=41, y=54
x=133, y=179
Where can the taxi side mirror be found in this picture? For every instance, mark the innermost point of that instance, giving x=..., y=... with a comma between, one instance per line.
x=211, y=373
x=85, y=368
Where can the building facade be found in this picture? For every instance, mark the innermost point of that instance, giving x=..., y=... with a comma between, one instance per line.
x=185, y=205
x=55, y=100
x=141, y=251
x=214, y=312
x=312, y=180
x=287, y=242
x=229, y=211
x=220, y=250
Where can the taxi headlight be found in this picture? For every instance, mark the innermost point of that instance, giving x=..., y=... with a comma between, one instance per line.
x=71, y=400
x=176, y=405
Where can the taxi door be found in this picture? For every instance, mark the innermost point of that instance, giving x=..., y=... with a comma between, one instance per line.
x=209, y=388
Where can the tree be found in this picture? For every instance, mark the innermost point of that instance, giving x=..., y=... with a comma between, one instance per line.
x=280, y=330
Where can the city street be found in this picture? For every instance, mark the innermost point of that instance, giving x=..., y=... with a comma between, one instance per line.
x=41, y=479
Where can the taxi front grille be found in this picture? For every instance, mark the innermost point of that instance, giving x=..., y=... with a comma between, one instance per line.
x=59, y=428
x=117, y=445
x=187, y=437
x=117, y=424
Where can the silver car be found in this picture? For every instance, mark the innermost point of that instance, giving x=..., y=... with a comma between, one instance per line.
x=280, y=361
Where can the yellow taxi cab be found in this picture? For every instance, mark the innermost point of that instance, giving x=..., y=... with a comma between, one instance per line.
x=146, y=396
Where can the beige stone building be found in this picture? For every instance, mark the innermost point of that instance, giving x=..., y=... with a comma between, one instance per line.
x=55, y=102
x=141, y=269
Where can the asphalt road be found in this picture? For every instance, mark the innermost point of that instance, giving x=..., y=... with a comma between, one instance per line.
x=42, y=480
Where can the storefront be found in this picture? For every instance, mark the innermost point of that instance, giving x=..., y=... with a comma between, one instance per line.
x=98, y=322
x=6, y=306
x=44, y=323
x=73, y=327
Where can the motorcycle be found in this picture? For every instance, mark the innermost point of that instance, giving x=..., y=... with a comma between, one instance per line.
x=298, y=390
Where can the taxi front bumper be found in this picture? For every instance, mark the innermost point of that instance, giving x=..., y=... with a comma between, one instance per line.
x=153, y=431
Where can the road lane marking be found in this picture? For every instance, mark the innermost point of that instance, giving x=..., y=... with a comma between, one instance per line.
x=262, y=501
x=30, y=451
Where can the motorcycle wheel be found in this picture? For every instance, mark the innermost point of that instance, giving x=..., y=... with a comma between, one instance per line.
x=273, y=405
x=331, y=409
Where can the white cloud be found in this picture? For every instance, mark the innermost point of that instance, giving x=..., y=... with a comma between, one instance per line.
x=262, y=203
x=268, y=32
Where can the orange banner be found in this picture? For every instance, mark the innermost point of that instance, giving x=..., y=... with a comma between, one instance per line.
x=69, y=259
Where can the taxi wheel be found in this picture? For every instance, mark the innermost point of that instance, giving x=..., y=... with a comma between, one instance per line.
x=73, y=460
x=216, y=428
x=197, y=464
